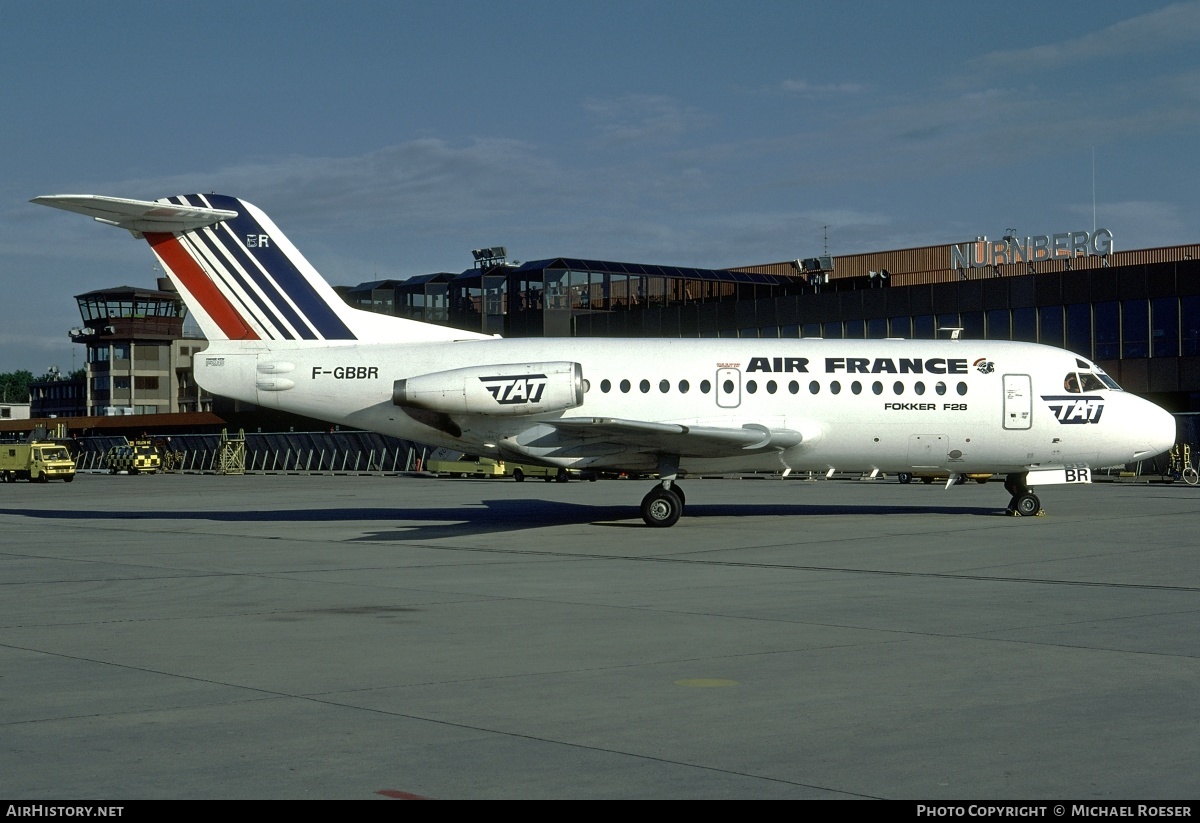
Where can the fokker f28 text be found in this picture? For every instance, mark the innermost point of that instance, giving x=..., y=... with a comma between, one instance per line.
x=280, y=337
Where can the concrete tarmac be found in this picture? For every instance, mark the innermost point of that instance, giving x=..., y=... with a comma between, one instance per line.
x=367, y=637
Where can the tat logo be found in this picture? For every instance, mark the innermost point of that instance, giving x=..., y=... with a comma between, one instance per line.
x=515, y=389
x=984, y=365
x=1074, y=408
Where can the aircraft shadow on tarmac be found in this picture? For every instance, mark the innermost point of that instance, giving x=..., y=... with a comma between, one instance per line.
x=491, y=516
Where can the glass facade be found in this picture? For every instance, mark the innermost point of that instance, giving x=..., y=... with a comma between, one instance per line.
x=111, y=306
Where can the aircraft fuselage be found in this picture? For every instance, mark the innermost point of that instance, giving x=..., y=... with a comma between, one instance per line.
x=891, y=405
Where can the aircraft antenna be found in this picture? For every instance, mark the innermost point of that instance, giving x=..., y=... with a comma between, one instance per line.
x=1093, y=190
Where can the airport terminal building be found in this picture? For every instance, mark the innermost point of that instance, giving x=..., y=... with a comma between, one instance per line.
x=1136, y=313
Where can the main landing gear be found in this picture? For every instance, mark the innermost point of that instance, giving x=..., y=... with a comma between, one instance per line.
x=663, y=504
x=1024, y=503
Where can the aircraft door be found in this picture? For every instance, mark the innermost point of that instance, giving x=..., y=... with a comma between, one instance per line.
x=1018, y=401
x=729, y=388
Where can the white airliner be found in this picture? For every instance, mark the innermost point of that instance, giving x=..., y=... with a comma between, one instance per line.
x=280, y=337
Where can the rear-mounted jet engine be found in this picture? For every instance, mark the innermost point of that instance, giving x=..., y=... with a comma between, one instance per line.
x=514, y=389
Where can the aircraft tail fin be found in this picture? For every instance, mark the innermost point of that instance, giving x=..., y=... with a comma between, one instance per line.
x=241, y=278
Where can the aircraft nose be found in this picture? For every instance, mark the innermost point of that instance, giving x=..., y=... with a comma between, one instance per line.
x=1158, y=431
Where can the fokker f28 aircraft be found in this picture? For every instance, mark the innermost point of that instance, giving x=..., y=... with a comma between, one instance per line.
x=280, y=337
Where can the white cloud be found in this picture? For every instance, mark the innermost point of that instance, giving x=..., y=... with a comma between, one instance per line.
x=641, y=118
x=421, y=180
x=1150, y=32
x=1141, y=224
x=803, y=88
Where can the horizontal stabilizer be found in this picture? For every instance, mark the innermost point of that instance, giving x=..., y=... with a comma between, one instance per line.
x=138, y=216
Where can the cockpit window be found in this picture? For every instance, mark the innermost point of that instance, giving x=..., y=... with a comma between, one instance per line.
x=1106, y=380
x=1086, y=381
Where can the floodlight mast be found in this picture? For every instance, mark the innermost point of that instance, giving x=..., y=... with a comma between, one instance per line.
x=486, y=258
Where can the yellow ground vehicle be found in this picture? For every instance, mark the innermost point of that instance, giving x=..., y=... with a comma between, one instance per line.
x=471, y=465
x=35, y=461
x=136, y=458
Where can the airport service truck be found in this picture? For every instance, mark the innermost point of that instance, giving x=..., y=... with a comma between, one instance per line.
x=471, y=465
x=36, y=461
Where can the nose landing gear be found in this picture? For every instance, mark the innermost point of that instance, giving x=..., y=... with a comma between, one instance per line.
x=1024, y=503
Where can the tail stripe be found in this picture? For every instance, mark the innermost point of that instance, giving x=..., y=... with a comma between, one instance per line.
x=244, y=281
x=293, y=285
x=255, y=305
x=247, y=271
x=202, y=288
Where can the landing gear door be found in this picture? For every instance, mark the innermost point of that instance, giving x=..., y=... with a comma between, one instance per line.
x=729, y=388
x=1018, y=401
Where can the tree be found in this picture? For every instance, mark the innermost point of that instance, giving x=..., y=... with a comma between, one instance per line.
x=14, y=386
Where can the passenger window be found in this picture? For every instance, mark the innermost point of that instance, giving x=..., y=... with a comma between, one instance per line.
x=684, y=386
x=961, y=388
x=835, y=387
x=705, y=386
x=605, y=385
x=771, y=387
x=898, y=387
x=919, y=388
x=814, y=387
x=877, y=387
x=664, y=386
x=793, y=387
x=751, y=386
x=940, y=388
x=625, y=386
x=856, y=387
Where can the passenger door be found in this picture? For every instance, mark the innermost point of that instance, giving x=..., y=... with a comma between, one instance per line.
x=1018, y=401
x=729, y=388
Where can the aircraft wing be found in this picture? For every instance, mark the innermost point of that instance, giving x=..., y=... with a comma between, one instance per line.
x=680, y=439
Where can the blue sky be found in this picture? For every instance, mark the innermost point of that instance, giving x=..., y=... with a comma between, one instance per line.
x=390, y=138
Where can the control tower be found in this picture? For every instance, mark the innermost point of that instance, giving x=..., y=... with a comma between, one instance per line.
x=138, y=361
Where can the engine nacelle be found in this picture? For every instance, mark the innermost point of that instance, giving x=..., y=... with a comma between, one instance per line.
x=513, y=389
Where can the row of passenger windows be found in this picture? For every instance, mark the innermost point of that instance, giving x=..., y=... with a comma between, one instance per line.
x=793, y=387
